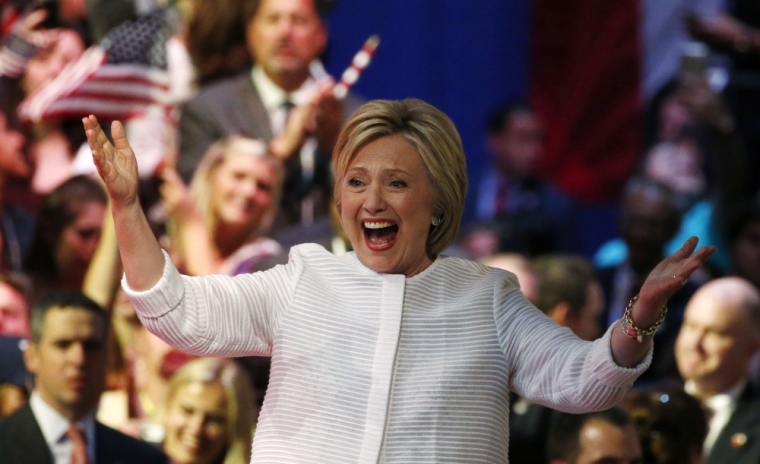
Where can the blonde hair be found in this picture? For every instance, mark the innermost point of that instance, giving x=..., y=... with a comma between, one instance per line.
x=433, y=135
x=201, y=187
x=241, y=406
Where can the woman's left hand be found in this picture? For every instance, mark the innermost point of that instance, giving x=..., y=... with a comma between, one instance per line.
x=666, y=279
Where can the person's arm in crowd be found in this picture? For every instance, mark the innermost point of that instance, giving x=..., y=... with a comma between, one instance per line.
x=102, y=277
x=140, y=252
x=726, y=31
x=732, y=164
x=27, y=40
x=665, y=279
x=194, y=242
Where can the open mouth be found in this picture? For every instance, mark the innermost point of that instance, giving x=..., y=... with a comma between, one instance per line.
x=379, y=235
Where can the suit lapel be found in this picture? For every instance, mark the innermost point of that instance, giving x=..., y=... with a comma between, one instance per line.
x=249, y=111
x=739, y=441
x=24, y=439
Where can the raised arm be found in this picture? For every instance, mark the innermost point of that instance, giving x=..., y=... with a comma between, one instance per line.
x=140, y=252
x=665, y=279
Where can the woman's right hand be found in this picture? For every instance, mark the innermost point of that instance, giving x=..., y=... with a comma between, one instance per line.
x=116, y=165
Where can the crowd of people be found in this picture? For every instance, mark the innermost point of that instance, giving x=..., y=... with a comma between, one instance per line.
x=229, y=338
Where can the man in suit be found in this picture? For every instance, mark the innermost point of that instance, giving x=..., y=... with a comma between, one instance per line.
x=719, y=336
x=524, y=212
x=67, y=354
x=285, y=38
x=599, y=437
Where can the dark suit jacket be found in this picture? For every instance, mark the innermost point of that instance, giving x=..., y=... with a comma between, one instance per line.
x=233, y=106
x=663, y=370
x=739, y=442
x=22, y=442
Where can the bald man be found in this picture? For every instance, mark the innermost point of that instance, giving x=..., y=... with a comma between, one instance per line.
x=719, y=335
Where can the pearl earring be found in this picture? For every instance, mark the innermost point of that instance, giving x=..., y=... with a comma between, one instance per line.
x=435, y=220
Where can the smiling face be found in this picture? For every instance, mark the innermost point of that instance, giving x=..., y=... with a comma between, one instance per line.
x=386, y=207
x=196, y=424
x=242, y=192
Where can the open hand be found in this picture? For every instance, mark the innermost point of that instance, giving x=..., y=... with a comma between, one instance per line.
x=116, y=162
x=667, y=278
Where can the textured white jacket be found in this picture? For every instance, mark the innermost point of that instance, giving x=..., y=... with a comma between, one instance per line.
x=370, y=367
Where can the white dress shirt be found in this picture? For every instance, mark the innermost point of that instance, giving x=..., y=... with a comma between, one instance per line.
x=273, y=97
x=54, y=427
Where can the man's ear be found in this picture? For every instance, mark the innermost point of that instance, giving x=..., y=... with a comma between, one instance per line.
x=560, y=313
x=32, y=357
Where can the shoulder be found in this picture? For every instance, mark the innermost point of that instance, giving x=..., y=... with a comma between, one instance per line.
x=224, y=88
x=112, y=443
x=472, y=275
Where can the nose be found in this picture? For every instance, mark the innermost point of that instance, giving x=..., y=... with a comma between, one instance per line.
x=76, y=354
x=375, y=199
x=195, y=425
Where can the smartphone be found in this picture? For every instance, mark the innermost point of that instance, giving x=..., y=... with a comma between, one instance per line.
x=51, y=7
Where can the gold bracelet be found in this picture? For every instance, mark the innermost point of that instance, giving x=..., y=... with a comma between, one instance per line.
x=630, y=328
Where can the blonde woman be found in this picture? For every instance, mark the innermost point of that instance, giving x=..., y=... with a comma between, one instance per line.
x=218, y=224
x=210, y=414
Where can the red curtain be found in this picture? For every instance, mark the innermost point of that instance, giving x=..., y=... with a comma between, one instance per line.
x=585, y=74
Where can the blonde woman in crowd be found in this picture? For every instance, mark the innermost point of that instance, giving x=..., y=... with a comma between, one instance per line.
x=209, y=414
x=220, y=221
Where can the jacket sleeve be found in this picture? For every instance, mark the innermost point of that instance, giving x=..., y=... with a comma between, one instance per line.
x=550, y=365
x=218, y=315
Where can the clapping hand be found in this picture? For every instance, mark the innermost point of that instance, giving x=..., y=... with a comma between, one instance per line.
x=116, y=162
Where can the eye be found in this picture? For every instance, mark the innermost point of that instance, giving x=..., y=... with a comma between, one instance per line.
x=398, y=183
x=354, y=182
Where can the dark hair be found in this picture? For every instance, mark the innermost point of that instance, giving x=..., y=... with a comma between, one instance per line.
x=60, y=209
x=563, y=441
x=323, y=7
x=672, y=425
x=562, y=279
x=216, y=38
x=499, y=116
x=744, y=213
x=63, y=300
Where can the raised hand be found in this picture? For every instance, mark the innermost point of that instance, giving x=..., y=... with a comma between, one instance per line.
x=176, y=195
x=116, y=165
x=667, y=278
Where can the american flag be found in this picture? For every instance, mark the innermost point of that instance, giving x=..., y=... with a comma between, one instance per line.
x=121, y=78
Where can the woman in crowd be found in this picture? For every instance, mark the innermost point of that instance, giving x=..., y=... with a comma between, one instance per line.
x=209, y=414
x=68, y=232
x=220, y=221
x=390, y=353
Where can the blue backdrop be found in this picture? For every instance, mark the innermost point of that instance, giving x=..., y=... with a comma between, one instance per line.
x=462, y=57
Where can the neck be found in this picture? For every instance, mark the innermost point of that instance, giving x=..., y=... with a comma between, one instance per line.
x=705, y=391
x=227, y=239
x=72, y=413
x=289, y=82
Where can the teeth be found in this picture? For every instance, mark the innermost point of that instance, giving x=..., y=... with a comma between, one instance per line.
x=377, y=225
